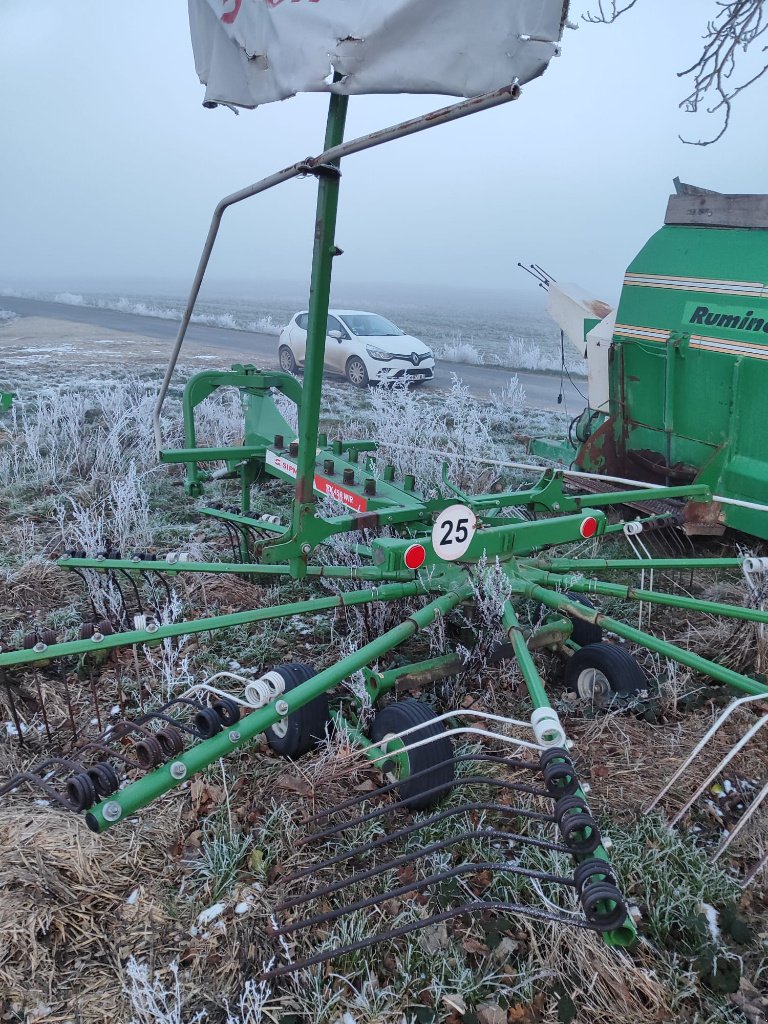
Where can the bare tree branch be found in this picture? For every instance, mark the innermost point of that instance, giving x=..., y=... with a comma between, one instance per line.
x=735, y=29
x=604, y=17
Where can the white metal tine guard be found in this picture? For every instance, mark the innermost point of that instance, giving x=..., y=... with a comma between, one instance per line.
x=700, y=746
x=317, y=165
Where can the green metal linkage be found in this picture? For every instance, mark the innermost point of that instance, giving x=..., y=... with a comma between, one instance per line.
x=420, y=673
x=577, y=583
x=647, y=640
x=137, y=795
x=387, y=592
x=533, y=681
x=626, y=934
x=343, y=572
x=623, y=564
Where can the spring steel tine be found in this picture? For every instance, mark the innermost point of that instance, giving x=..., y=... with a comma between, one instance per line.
x=232, y=542
x=41, y=702
x=12, y=703
x=37, y=782
x=136, y=592
x=70, y=710
x=724, y=715
x=165, y=585
x=723, y=763
x=741, y=822
x=416, y=826
x=39, y=771
x=418, y=885
x=452, y=784
x=95, y=699
x=153, y=716
x=409, y=858
x=396, y=933
x=103, y=748
x=755, y=871
x=479, y=805
x=83, y=574
x=123, y=619
x=510, y=762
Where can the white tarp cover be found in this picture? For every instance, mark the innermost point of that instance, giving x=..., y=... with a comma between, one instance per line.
x=249, y=52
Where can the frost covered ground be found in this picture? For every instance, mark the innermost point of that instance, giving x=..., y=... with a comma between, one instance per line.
x=164, y=920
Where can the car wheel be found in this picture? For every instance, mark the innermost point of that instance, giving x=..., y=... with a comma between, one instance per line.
x=286, y=360
x=598, y=671
x=433, y=759
x=356, y=372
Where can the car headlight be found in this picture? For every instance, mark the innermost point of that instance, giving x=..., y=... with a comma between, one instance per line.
x=378, y=353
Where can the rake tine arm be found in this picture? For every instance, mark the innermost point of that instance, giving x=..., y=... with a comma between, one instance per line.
x=416, y=826
x=624, y=593
x=624, y=564
x=196, y=758
x=408, y=858
x=509, y=762
x=553, y=599
x=402, y=890
x=397, y=933
x=387, y=592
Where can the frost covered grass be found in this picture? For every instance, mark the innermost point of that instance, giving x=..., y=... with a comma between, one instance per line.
x=168, y=918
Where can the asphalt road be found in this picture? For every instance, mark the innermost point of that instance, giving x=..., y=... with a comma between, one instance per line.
x=541, y=389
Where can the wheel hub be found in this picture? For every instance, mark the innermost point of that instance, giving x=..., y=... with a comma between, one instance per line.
x=593, y=685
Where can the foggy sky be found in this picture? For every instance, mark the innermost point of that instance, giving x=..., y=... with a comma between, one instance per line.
x=110, y=167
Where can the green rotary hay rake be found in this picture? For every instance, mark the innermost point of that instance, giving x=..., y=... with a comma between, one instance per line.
x=438, y=553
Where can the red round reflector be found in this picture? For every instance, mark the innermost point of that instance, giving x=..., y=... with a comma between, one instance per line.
x=415, y=556
x=588, y=527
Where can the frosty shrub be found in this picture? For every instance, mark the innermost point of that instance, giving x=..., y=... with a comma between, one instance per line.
x=461, y=352
x=120, y=521
x=526, y=354
x=152, y=1002
x=92, y=432
x=508, y=403
x=409, y=436
x=219, y=420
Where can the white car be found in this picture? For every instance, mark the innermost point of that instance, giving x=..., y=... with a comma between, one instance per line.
x=365, y=347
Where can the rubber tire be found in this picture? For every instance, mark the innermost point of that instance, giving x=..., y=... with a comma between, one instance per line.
x=620, y=669
x=286, y=359
x=365, y=381
x=583, y=633
x=403, y=715
x=305, y=728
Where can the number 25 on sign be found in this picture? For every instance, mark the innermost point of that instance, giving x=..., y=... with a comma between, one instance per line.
x=453, y=532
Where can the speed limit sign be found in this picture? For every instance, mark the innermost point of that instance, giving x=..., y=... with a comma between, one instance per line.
x=453, y=532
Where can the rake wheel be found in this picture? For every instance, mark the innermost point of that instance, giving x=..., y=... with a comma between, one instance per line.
x=298, y=732
x=598, y=671
x=437, y=755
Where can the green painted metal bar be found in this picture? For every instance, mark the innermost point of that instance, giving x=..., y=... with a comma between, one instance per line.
x=622, y=564
x=387, y=592
x=692, y=491
x=233, y=517
x=422, y=672
x=533, y=681
x=317, y=327
x=356, y=737
x=626, y=934
x=577, y=583
x=343, y=572
x=668, y=650
x=142, y=792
